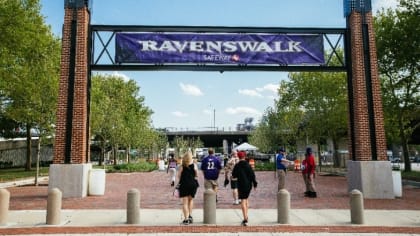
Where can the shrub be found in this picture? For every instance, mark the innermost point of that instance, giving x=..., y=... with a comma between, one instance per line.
x=142, y=166
x=264, y=166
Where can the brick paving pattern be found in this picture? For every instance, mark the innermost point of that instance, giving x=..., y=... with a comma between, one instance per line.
x=156, y=193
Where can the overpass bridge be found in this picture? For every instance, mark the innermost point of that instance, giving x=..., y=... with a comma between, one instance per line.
x=212, y=138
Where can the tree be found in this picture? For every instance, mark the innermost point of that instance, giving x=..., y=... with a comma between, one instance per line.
x=397, y=39
x=180, y=144
x=119, y=117
x=322, y=98
x=29, y=68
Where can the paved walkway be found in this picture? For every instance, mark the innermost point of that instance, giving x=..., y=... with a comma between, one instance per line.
x=160, y=211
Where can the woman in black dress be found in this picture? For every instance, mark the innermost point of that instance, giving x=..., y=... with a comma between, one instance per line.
x=187, y=186
x=246, y=179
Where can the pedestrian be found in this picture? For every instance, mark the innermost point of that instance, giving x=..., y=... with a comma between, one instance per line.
x=228, y=176
x=172, y=165
x=187, y=185
x=246, y=179
x=281, y=167
x=211, y=166
x=308, y=173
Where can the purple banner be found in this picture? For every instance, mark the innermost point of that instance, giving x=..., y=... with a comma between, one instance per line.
x=283, y=49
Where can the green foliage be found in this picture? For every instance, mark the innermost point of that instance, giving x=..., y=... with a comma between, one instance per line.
x=13, y=174
x=264, y=166
x=142, y=166
x=119, y=117
x=182, y=144
x=397, y=40
x=29, y=67
x=310, y=106
x=411, y=175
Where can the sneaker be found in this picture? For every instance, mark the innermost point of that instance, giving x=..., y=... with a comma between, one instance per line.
x=190, y=219
x=236, y=202
x=185, y=222
x=244, y=223
x=312, y=195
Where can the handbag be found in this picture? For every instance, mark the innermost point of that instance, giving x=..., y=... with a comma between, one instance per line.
x=176, y=191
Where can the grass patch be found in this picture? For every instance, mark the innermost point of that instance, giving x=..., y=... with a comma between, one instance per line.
x=412, y=175
x=13, y=174
x=264, y=166
x=142, y=166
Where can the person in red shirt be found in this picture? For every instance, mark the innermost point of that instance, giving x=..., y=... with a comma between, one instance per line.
x=308, y=173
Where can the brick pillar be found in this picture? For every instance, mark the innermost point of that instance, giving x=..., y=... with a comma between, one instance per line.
x=72, y=118
x=368, y=172
x=364, y=133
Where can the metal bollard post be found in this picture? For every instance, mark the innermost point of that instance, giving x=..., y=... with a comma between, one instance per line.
x=283, y=206
x=209, y=207
x=356, y=207
x=54, y=207
x=133, y=206
x=4, y=206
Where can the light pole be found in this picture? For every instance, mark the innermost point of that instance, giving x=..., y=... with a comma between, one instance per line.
x=214, y=119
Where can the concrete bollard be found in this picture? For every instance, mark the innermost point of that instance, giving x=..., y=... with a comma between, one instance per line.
x=133, y=206
x=209, y=207
x=356, y=207
x=4, y=206
x=54, y=207
x=283, y=206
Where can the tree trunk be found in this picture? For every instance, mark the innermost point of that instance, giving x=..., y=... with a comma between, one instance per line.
x=28, y=148
x=404, y=144
x=101, y=156
x=38, y=157
x=127, y=154
x=319, y=155
x=336, y=157
x=115, y=151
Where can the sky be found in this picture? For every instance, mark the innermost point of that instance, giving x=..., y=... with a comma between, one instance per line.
x=203, y=100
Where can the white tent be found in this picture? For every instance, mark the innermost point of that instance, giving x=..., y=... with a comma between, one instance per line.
x=246, y=147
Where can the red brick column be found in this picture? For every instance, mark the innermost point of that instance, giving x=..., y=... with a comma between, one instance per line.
x=362, y=130
x=79, y=139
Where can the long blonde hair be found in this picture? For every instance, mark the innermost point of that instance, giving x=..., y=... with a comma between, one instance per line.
x=187, y=159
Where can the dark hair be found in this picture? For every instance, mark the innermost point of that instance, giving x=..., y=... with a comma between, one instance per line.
x=308, y=150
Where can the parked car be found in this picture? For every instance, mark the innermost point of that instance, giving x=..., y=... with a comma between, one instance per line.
x=395, y=159
x=263, y=156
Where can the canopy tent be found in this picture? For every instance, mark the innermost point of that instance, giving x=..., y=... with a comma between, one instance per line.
x=246, y=147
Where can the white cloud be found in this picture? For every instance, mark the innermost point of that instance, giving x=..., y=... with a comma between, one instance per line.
x=379, y=4
x=260, y=91
x=123, y=76
x=249, y=92
x=242, y=111
x=179, y=114
x=190, y=89
x=269, y=87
